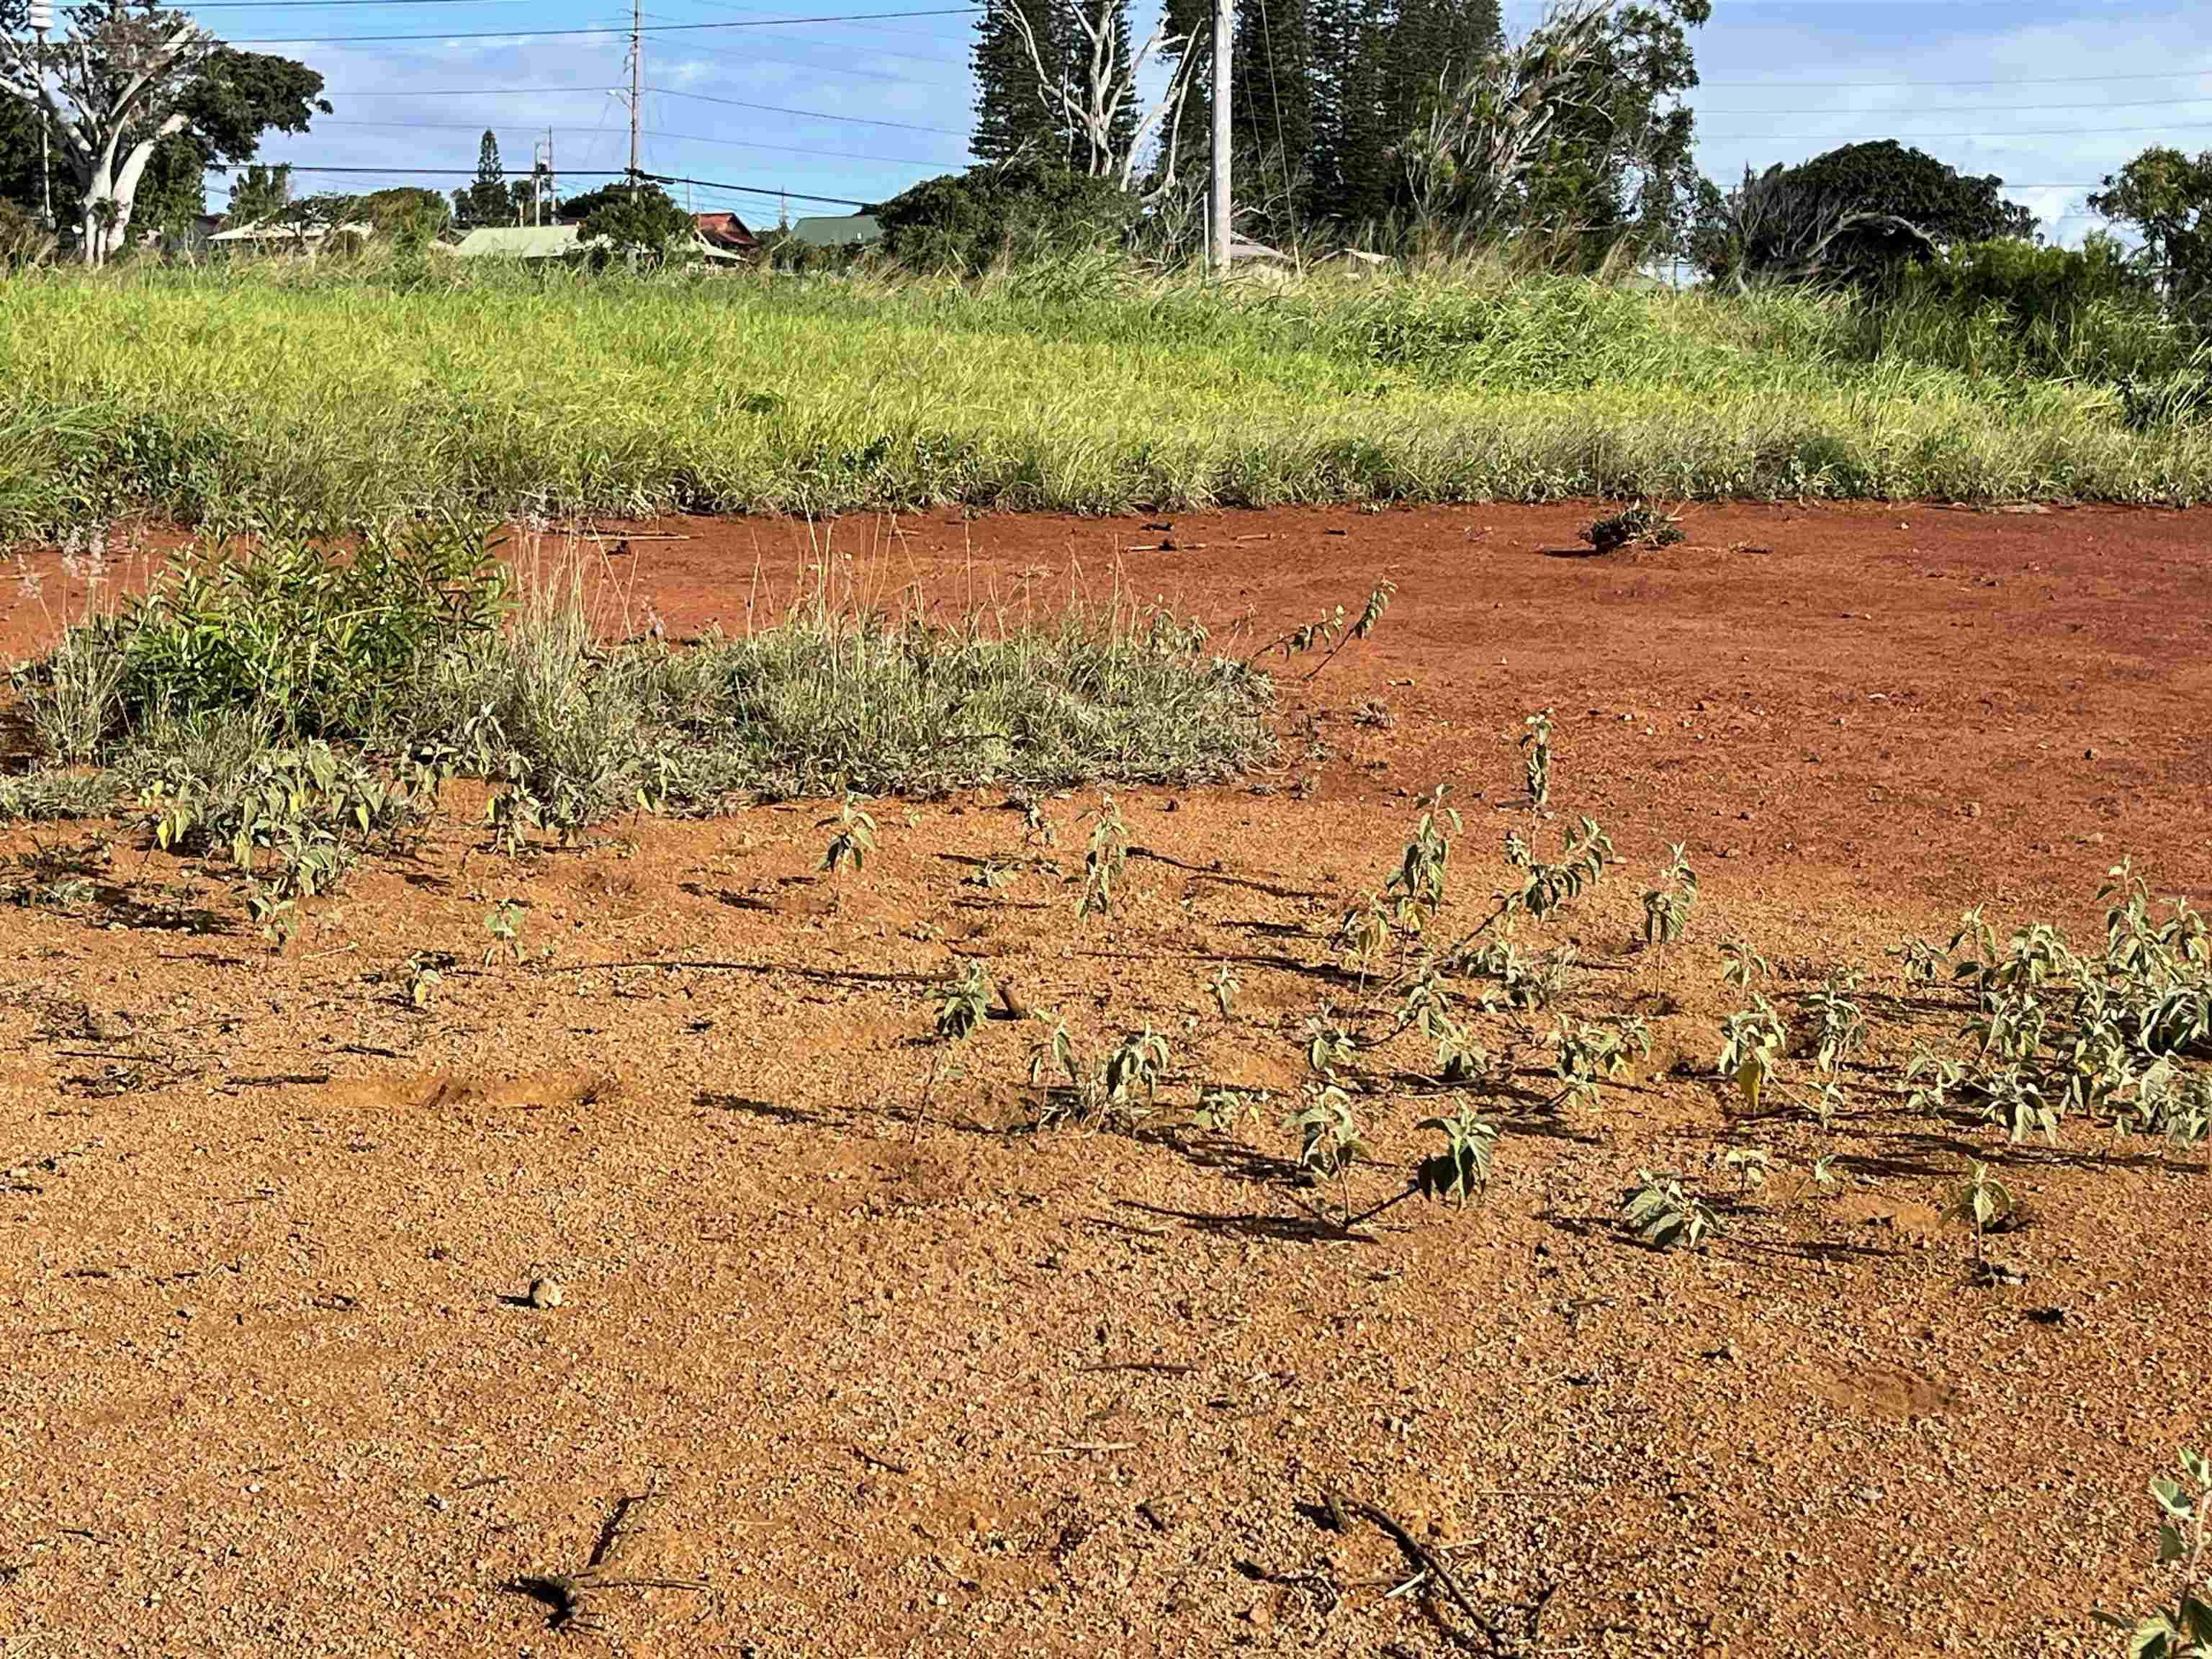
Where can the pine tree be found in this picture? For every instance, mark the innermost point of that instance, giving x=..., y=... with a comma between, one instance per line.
x=1271, y=113
x=1192, y=22
x=1011, y=119
x=485, y=202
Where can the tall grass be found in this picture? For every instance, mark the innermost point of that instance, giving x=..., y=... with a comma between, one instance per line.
x=418, y=654
x=225, y=394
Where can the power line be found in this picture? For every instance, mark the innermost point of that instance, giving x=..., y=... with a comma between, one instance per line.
x=650, y=29
x=807, y=114
x=650, y=132
x=1999, y=80
x=576, y=172
x=1976, y=109
x=1999, y=132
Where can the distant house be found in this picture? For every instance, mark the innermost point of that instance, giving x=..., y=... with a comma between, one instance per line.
x=566, y=242
x=265, y=234
x=521, y=242
x=726, y=232
x=848, y=231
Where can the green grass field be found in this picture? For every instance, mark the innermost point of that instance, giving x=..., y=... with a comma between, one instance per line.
x=357, y=395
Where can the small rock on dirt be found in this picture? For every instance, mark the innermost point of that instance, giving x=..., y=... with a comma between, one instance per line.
x=546, y=1293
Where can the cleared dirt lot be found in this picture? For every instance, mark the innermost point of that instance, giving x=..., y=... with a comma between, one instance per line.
x=948, y=1385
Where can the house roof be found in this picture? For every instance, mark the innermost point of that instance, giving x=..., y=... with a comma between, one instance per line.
x=842, y=231
x=726, y=231
x=268, y=230
x=521, y=241
x=553, y=242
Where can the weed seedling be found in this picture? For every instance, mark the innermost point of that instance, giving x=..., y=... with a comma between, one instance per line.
x=1664, y=1213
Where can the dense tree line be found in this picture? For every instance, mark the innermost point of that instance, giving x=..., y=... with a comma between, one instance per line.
x=1330, y=99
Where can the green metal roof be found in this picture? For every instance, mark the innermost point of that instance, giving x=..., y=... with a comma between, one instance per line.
x=838, y=232
x=521, y=242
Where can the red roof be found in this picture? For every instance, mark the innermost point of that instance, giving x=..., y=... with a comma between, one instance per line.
x=726, y=231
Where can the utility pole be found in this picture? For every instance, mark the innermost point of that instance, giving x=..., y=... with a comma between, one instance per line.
x=541, y=178
x=636, y=85
x=41, y=18
x=1217, y=197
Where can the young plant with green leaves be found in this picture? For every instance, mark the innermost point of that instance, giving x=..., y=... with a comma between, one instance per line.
x=1105, y=855
x=1748, y=1164
x=1838, y=1023
x=1980, y=1201
x=1461, y=1170
x=1583, y=1053
x=850, y=847
x=1583, y=856
x=2184, y=1546
x=1417, y=887
x=1332, y=629
x=1225, y=987
x=1129, y=1079
x=1536, y=758
x=1667, y=907
x=503, y=921
x=1328, y=1136
x=1751, y=1043
x=1741, y=966
x=1667, y=1214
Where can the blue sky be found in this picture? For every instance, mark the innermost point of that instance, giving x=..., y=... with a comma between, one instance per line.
x=2049, y=96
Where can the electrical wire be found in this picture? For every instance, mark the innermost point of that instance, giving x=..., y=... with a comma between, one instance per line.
x=547, y=34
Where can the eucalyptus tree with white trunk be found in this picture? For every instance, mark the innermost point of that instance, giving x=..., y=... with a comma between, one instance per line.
x=1095, y=92
x=122, y=79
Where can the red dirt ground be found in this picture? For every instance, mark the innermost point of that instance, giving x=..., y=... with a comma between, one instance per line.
x=952, y=1386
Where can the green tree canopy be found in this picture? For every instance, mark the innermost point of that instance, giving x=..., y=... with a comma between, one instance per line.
x=1849, y=214
x=2165, y=198
x=484, y=202
x=637, y=221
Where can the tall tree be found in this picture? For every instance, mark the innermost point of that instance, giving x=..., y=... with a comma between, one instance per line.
x=1271, y=113
x=1012, y=117
x=260, y=194
x=2167, y=198
x=485, y=201
x=126, y=77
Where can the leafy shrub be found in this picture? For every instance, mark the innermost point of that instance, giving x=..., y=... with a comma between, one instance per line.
x=2031, y=282
x=966, y=222
x=321, y=646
